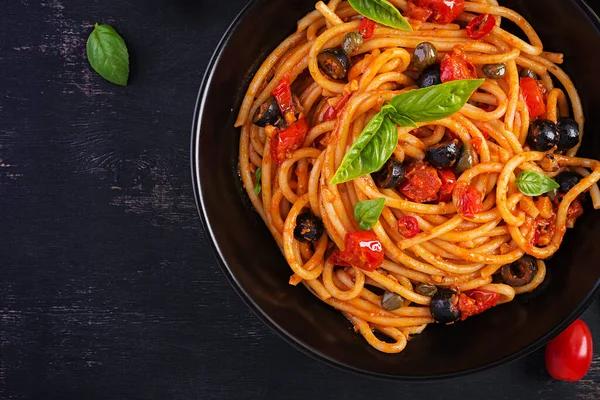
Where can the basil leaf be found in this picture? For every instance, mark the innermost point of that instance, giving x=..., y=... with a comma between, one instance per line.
x=435, y=102
x=532, y=183
x=373, y=147
x=381, y=11
x=108, y=55
x=367, y=212
x=258, y=177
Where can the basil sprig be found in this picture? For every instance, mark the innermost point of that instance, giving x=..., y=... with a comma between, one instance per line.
x=435, y=102
x=367, y=212
x=381, y=11
x=258, y=178
x=533, y=183
x=376, y=143
x=108, y=55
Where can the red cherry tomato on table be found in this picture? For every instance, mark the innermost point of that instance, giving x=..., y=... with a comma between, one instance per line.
x=569, y=355
x=421, y=183
x=481, y=26
x=467, y=200
x=288, y=140
x=367, y=28
x=534, y=98
x=448, y=182
x=476, y=301
x=408, y=226
x=438, y=11
x=455, y=66
x=362, y=250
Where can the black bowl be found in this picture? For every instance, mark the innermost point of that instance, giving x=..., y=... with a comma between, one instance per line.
x=257, y=270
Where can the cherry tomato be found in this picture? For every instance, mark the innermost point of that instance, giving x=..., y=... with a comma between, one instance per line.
x=332, y=112
x=418, y=13
x=362, y=250
x=455, y=66
x=439, y=11
x=476, y=301
x=421, y=183
x=408, y=226
x=367, y=28
x=448, y=182
x=569, y=355
x=534, y=98
x=481, y=26
x=467, y=200
x=288, y=140
x=283, y=95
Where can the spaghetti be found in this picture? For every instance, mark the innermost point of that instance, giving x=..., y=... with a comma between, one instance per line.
x=450, y=231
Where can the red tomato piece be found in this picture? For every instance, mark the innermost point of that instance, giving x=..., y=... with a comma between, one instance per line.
x=283, y=95
x=362, y=250
x=408, y=226
x=569, y=355
x=481, y=26
x=467, y=200
x=418, y=13
x=455, y=66
x=476, y=142
x=334, y=258
x=476, y=301
x=288, y=140
x=448, y=182
x=440, y=11
x=367, y=28
x=534, y=98
x=332, y=112
x=421, y=183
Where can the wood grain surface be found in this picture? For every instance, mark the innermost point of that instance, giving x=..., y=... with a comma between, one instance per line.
x=108, y=287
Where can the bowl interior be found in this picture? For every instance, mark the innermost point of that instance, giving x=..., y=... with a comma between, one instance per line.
x=260, y=274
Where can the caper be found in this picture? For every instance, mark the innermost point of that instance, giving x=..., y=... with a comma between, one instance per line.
x=391, y=301
x=465, y=160
x=425, y=55
x=494, y=71
x=528, y=73
x=425, y=289
x=352, y=41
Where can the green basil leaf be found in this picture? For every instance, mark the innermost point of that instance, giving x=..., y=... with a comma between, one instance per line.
x=367, y=212
x=383, y=12
x=532, y=183
x=435, y=102
x=108, y=55
x=373, y=147
x=258, y=177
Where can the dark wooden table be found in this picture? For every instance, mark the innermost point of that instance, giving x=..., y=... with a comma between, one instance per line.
x=108, y=288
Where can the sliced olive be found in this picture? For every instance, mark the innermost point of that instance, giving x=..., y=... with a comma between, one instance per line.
x=430, y=76
x=444, y=306
x=528, y=73
x=391, y=301
x=443, y=155
x=334, y=63
x=494, y=71
x=425, y=289
x=267, y=113
x=309, y=228
x=567, y=180
x=520, y=272
x=352, y=42
x=568, y=132
x=425, y=55
x=465, y=161
x=390, y=175
x=543, y=135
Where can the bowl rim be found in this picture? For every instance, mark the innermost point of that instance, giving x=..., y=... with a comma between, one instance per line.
x=262, y=315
